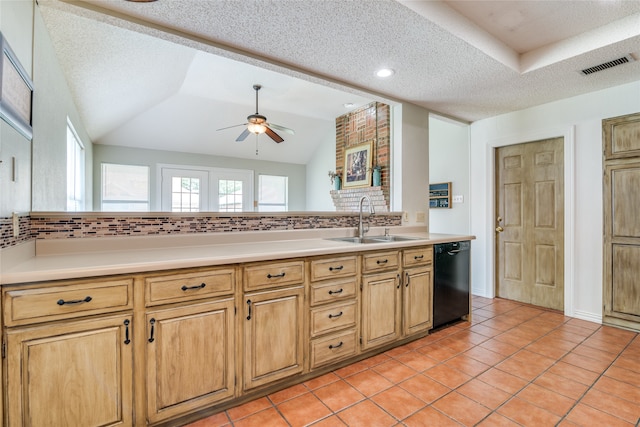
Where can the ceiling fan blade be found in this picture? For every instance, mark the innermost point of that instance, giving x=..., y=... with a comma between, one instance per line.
x=282, y=128
x=277, y=138
x=234, y=126
x=243, y=135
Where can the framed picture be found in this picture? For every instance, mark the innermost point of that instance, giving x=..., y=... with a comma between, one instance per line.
x=357, y=165
x=16, y=91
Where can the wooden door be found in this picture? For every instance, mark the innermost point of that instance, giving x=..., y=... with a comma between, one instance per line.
x=418, y=300
x=381, y=305
x=190, y=358
x=73, y=374
x=273, y=335
x=530, y=223
x=621, y=139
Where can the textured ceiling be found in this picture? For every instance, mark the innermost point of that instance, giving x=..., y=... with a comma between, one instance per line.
x=167, y=74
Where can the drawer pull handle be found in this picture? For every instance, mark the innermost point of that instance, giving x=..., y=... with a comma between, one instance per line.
x=406, y=275
x=74, y=301
x=331, y=346
x=331, y=316
x=275, y=276
x=399, y=278
x=188, y=288
x=382, y=261
x=151, y=337
x=249, y=305
x=338, y=268
x=126, y=331
x=339, y=291
x=417, y=257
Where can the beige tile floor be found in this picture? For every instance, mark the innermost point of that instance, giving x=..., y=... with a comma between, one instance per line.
x=513, y=365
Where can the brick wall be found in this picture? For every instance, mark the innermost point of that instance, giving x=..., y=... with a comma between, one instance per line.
x=369, y=123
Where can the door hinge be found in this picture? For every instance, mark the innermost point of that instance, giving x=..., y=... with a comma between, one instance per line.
x=360, y=340
x=4, y=349
x=235, y=311
x=361, y=286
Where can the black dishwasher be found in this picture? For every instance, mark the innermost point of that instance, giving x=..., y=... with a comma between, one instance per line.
x=451, y=282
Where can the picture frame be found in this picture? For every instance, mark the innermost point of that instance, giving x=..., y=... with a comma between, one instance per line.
x=357, y=165
x=16, y=91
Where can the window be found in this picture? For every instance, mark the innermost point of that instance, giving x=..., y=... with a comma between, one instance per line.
x=75, y=170
x=195, y=189
x=273, y=193
x=125, y=188
x=184, y=189
x=229, y=195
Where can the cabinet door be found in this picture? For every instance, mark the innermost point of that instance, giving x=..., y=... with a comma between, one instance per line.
x=381, y=304
x=273, y=335
x=73, y=374
x=418, y=294
x=190, y=358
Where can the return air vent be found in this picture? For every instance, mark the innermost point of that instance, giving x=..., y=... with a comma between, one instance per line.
x=607, y=65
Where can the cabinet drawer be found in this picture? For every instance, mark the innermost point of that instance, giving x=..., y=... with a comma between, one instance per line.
x=417, y=256
x=332, y=318
x=323, y=269
x=380, y=261
x=334, y=347
x=262, y=276
x=34, y=305
x=333, y=291
x=189, y=286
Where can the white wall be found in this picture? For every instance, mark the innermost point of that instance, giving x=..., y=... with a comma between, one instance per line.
x=410, y=162
x=579, y=120
x=318, y=181
x=449, y=162
x=52, y=104
x=139, y=156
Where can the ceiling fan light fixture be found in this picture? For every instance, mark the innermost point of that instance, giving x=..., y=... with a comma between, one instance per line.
x=256, y=128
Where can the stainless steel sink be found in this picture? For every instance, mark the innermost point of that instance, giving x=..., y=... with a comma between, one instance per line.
x=372, y=239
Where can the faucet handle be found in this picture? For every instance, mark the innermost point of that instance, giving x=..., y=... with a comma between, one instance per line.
x=365, y=227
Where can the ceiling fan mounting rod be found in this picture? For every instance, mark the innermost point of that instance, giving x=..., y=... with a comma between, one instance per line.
x=257, y=88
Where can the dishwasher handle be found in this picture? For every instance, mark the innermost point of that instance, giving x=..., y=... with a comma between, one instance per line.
x=453, y=252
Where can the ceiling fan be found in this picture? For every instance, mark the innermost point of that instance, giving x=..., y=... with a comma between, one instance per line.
x=257, y=124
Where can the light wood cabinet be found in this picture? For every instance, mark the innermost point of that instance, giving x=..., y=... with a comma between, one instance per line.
x=417, y=300
x=621, y=292
x=190, y=358
x=273, y=335
x=381, y=309
x=417, y=289
x=69, y=353
x=77, y=373
x=334, y=309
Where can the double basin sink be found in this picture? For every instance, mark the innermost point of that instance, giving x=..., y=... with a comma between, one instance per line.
x=373, y=239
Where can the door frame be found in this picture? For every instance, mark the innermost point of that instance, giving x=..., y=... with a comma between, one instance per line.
x=568, y=133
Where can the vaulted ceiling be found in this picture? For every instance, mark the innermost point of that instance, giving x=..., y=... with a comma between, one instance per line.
x=167, y=74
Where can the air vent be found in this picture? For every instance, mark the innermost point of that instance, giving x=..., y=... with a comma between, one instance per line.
x=607, y=65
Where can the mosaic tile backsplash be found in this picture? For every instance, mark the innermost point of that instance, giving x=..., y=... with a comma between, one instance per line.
x=43, y=227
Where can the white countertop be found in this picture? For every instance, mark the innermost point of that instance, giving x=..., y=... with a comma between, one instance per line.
x=76, y=258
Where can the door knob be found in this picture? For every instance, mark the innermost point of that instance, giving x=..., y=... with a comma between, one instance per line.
x=499, y=229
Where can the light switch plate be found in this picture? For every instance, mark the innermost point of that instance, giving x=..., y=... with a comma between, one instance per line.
x=420, y=217
x=16, y=224
x=458, y=198
x=405, y=216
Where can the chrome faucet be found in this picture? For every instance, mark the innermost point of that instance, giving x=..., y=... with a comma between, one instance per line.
x=362, y=228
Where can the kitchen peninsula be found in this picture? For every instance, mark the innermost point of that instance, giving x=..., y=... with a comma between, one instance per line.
x=159, y=330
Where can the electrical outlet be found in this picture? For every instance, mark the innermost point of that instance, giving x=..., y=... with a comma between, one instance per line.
x=420, y=217
x=405, y=217
x=16, y=224
x=458, y=199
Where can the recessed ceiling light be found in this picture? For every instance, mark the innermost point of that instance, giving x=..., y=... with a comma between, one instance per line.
x=385, y=72
x=348, y=105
